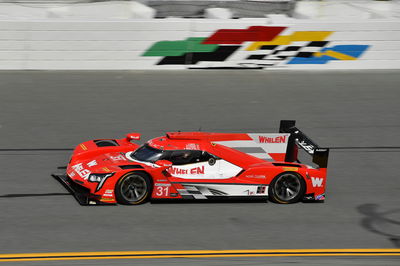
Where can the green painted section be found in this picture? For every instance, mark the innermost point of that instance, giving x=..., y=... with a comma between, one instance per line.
x=178, y=48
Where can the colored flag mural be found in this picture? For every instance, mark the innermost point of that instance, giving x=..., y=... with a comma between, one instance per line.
x=265, y=47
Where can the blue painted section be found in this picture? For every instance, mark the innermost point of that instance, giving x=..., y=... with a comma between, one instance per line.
x=351, y=50
x=311, y=60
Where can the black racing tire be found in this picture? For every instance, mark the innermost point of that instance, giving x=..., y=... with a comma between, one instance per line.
x=133, y=188
x=286, y=188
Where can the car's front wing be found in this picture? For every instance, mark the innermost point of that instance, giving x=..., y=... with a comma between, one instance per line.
x=81, y=194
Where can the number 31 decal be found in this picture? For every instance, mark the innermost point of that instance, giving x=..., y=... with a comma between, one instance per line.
x=162, y=191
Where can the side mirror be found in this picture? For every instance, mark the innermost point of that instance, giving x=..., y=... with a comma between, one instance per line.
x=211, y=161
x=164, y=163
x=133, y=136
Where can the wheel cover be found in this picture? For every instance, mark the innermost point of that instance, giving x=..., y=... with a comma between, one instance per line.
x=134, y=188
x=287, y=187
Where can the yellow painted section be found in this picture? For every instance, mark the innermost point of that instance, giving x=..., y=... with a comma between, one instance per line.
x=298, y=36
x=334, y=54
x=294, y=169
x=280, y=40
x=83, y=147
x=196, y=254
x=107, y=199
x=106, y=169
x=310, y=36
x=204, y=256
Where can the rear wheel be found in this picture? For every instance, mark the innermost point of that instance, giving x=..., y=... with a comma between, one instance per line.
x=133, y=189
x=286, y=188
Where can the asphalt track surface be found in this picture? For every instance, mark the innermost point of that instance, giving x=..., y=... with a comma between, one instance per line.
x=356, y=113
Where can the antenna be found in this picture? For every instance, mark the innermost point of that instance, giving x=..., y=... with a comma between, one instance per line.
x=199, y=128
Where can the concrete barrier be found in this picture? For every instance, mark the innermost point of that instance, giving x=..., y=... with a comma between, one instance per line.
x=275, y=42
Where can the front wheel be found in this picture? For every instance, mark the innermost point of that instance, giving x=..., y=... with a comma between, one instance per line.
x=286, y=188
x=133, y=189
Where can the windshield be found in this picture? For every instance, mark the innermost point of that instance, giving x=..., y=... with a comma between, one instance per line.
x=147, y=154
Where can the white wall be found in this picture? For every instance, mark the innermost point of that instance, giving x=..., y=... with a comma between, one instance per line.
x=67, y=44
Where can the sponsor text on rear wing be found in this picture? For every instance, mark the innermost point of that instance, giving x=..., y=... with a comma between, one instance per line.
x=297, y=140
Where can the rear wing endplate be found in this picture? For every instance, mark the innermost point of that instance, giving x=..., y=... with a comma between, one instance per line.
x=297, y=140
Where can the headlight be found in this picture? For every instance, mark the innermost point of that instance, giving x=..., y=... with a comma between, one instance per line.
x=100, y=179
x=94, y=178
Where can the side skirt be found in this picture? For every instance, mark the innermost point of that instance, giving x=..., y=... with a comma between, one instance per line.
x=213, y=199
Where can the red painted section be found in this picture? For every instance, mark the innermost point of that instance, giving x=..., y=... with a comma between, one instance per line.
x=251, y=34
x=207, y=136
x=279, y=157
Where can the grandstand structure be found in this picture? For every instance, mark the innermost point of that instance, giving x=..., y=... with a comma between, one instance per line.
x=186, y=8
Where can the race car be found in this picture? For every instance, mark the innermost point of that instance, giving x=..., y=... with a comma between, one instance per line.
x=198, y=166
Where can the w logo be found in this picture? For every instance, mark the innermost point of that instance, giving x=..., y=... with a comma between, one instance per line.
x=316, y=181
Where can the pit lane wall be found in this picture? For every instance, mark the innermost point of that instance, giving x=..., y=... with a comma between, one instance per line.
x=275, y=42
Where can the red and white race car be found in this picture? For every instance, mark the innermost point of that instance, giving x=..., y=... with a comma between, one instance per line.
x=197, y=165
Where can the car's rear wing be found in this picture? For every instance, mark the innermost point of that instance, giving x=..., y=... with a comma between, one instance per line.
x=298, y=139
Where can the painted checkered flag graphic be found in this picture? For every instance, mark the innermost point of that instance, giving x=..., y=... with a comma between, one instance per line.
x=270, y=55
